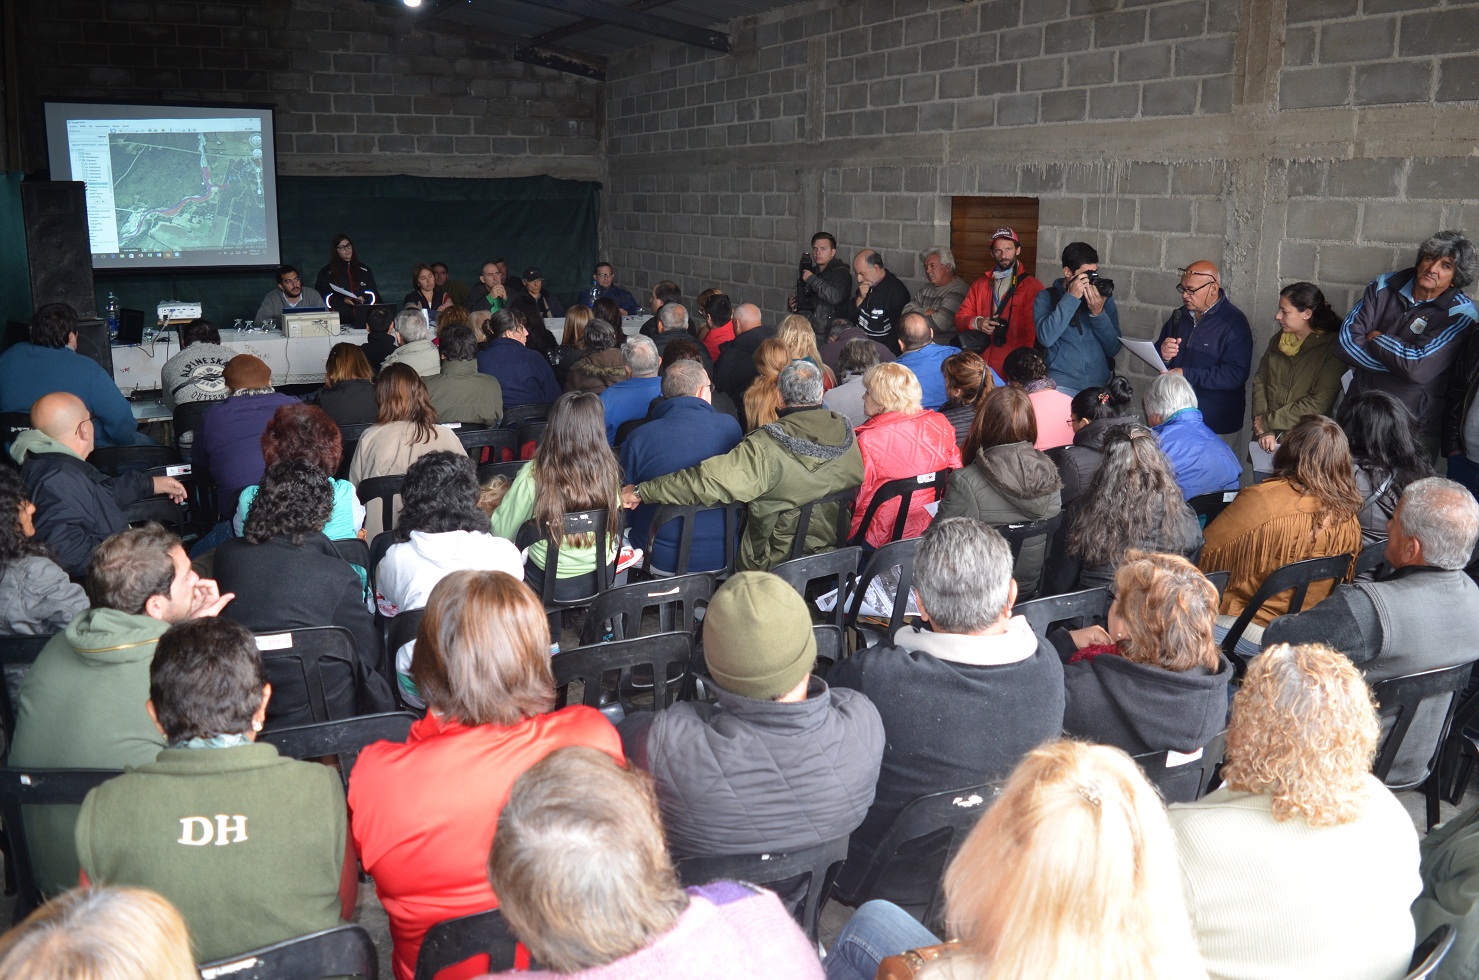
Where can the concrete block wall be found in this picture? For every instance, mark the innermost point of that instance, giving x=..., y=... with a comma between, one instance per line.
x=360, y=88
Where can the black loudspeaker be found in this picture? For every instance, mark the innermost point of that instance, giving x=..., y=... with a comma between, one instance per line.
x=92, y=341
x=57, y=246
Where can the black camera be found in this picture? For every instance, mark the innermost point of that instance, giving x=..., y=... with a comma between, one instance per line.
x=1105, y=286
x=809, y=264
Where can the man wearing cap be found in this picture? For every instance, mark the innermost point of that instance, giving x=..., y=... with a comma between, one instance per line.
x=779, y=761
x=996, y=317
x=549, y=304
x=963, y=700
x=228, y=439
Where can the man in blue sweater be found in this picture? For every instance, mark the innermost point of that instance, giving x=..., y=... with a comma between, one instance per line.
x=627, y=400
x=1208, y=342
x=1077, y=325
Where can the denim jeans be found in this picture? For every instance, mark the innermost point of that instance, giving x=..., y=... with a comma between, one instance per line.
x=876, y=930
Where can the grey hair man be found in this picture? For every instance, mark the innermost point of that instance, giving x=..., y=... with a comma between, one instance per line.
x=672, y=325
x=1421, y=613
x=630, y=398
x=941, y=295
x=1409, y=328
x=806, y=454
x=416, y=348
x=999, y=684
x=1203, y=463
x=846, y=399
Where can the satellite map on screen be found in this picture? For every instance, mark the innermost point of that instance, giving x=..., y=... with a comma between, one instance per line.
x=178, y=192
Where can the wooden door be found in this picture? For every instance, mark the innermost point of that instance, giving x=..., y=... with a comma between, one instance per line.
x=973, y=219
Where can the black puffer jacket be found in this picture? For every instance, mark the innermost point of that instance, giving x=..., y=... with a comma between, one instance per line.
x=1077, y=463
x=76, y=505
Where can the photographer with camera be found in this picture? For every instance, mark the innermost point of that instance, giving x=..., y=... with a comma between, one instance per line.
x=1208, y=340
x=823, y=285
x=996, y=317
x=1078, y=325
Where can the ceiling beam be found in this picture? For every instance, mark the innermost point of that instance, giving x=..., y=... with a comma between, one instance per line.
x=588, y=24
x=636, y=20
x=546, y=59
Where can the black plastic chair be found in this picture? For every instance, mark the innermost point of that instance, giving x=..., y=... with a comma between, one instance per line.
x=17, y=654
x=379, y=545
x=831, y=648
x=734, y=516
x=1430, y=953
x=454, y=941
x=12, y=424
x=1077, y=607
x=349, y=437
x=1184, y=778
x=186, y=420
x=1371, y=558
x=1297, y=575
x=344, y=951
x=902, y=491
x=1208, y=505
x=660, y=655
x=1400, y=699
x=586, y=522
x=496, y=440
x=295, y=660
x=159, y=510
x=620, y=609
x=531, y=437
x=908, y=866
x=353, y=550
x=895, y=554
x=21, y=788
x=383, y=489
x=812, y=575
x=488, y=471
x=343, y=739
x=844, y=500
x=801, y=878
x=1018, y=535
x=113, y=460
x=399, y=630
x=517, y=415
x=1219, y=582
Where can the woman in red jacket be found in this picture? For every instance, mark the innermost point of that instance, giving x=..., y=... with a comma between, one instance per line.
x=423, y=813
x=900, y=439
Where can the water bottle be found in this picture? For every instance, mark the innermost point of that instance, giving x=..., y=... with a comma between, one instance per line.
x=112, y=313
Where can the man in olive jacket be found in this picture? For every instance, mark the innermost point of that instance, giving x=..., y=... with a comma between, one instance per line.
x=461, y=393
x=808, y=453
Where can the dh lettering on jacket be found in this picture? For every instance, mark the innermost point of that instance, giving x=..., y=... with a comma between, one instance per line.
x=225, y=829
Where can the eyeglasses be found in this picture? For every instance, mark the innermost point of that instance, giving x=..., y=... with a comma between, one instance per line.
x=345, y=247
x=1182, y=290
x=605, y=275
x=92, y=419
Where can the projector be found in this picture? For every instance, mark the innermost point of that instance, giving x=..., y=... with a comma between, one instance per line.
x=177, y=310
x=324, y=323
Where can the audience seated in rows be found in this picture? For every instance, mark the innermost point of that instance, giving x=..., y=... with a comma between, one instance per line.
x=901, y=439
x=36, y=596
x=1133, y=502
x=49, y=363
x=460, y=392
x=780, y=761
x=1152, y=679
x=527, y=313
x=415, y=349
x=684, y=431
x=1422, y=615
x=807, y=454
x=962, y=700
x=801, y=343
x=522, y=372
x=286, y=575
x=1201, y=461
x=348, y=394
x=1071, y=872
x=628, y=399
x=198, y=372
x=571, y=347
x=76, y=506
x=228, y=439
x=1325, y=860
x=405, y=430
x=253, y=848
x=1388, y=454
x=139, y=582
x=719, y=319
x=923, y=356
x=305, y=432
x=966, y=383
x=1091, y=414
x=1004, y=480
x=573, y=470
x=424, y=812
x=601, y=365
x=1024, y=368
x=96, y=932
x=584, y=881
x=380, y=336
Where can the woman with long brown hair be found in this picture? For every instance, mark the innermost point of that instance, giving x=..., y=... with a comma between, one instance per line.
x=574, y=469
x=967, y=380
x=345, y=282
x=763, y=397
x=348, y=394
x=405, y=429
x=425, y=294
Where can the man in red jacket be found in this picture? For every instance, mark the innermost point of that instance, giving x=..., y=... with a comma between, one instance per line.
x=996, y=317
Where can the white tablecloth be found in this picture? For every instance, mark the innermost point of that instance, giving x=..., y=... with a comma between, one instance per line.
x=294, y=360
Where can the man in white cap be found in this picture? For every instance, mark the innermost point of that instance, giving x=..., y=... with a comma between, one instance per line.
x=996, y=317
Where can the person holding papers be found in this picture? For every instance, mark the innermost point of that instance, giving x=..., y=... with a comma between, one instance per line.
x=1300, y=372
x=345, y=282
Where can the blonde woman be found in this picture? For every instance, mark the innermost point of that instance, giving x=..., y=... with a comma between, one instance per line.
x=796, y=333
x=1324, y=862
x=100, y=934
x=763, y=397
x=1070, y=873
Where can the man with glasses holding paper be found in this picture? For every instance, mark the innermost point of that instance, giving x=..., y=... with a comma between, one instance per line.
x=1208, y=341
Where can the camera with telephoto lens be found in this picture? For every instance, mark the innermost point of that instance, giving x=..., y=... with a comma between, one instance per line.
x=1105, y=286
x=809, y=264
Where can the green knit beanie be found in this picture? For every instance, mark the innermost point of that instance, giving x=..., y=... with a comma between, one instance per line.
x=757, y=636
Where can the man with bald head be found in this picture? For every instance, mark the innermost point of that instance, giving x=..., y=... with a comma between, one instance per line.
x=1207, y=340
x=76, y=506
x=735, y=367
x=879, y=302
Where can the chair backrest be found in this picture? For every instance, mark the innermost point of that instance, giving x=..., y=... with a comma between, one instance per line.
x=383, y=489
x=620, y=609
x=295, y=659
x=21, y=788
x=455, y=940
x=908, y=866
x=664, y=654
x=113, y=460
x=17, y=654
x=831, y=650
x=1372, y=557
x=832, y=569
x=1042, y=613
x=186, y=420
x=1219, y=582
x=531, y=437
x=379, y=545
x=802, y=878
x=590, y=522
x=1400, y=698
x=516, y=415
x=511, y=469
x=349, y=437
x=344, y=951
x=687, y=514
x=844, y=500
x=903, y=491
x=1297, y=575
x=1184, y=778
x=1430, y=953
x=895, y=554
x=353, y=550
x=503, y=444
x=1018, y=535
x=1208, y=505
x=344, y=738
x=13, y=424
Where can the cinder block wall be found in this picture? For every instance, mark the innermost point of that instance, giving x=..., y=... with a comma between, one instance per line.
x=1318, y=139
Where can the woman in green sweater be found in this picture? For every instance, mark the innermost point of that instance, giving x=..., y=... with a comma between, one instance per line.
x=1300, y=372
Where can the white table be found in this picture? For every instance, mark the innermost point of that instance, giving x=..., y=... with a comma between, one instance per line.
x=294, y=360
x=631, y=326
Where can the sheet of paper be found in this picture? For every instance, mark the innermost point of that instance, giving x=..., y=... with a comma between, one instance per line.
x=1262, y=462
x=1145, y=350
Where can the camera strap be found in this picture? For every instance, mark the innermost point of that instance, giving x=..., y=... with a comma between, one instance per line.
x=1058, y=295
